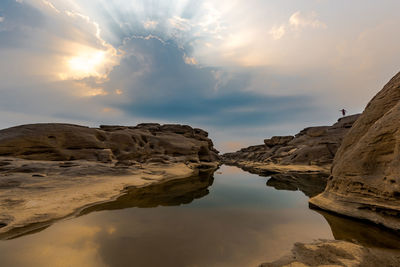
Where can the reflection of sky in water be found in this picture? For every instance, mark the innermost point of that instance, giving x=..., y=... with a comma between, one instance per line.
x=241, y=222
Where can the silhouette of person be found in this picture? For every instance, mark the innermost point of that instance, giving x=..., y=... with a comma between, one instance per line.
x=343, y=112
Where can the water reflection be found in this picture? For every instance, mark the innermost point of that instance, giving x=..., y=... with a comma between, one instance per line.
x=360, y=232
x=311, y=184
x=171, y=193
x=237, y=221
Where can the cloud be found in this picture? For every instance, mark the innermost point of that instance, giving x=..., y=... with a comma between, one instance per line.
x=179, y=23
x=150, y=24
x=243, y=69
x=297, y=21
x=278, y=32
x=1, y=19
x=190, y=60
x=300, y=20
x=49, y=4
x=159, y=84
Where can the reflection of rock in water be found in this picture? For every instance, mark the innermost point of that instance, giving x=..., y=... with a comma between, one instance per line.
x=363, y=233
x=310, y=184
x=171, y=193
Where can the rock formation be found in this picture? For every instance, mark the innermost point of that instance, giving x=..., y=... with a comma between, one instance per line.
x=312, y=146
x=49, y=171
x=142, y=143
x=336, y=253
x=365, y=179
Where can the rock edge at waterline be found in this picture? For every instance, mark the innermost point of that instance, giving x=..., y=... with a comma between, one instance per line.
x=49, y=171
x=365, y=179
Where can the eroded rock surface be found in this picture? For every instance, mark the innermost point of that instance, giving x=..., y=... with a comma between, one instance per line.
x=49, y=171
x=313, y=146
x=365, y=180
x=336, y=253
x=142, y=143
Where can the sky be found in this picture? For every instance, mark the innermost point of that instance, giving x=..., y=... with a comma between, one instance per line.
x=242, y=70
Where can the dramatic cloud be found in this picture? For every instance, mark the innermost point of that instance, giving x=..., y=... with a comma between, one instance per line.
x=244, y=70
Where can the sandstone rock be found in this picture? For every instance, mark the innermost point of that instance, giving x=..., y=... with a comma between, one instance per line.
x=311, y=146
x=108, y=143
x=336, y=253
x=62, y=167
x=278, y=140
x=365, y=180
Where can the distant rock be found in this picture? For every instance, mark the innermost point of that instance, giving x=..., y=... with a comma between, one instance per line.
x=278, y=140
x=312, y=146
x=365, y=180
x=142, y=143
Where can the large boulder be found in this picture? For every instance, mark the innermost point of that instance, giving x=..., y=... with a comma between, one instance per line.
x=365, y=179
x=142, y=143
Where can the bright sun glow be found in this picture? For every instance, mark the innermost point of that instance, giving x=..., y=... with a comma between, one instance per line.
x=86, y=64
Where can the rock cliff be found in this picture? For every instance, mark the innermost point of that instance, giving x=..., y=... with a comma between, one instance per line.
x=312, y=146
x=365, y=179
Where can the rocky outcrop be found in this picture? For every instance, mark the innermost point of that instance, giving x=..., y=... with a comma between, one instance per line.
x=313, y=146
x=141, y=143
x=365, y=179
x=49, y=171
x=336, y=253
x=50, y=198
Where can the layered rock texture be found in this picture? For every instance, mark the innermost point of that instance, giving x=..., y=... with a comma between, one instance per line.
x=142, y=143
x=313, y=146
x=49, y=171
x=365, y=179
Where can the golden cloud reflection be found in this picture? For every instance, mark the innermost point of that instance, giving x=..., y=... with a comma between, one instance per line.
x=224, y=225
x=236, y=222
x=56, y=248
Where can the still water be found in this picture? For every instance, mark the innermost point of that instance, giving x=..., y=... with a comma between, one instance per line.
x=231, y=218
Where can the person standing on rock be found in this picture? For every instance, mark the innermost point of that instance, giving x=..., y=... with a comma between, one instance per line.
x=343, y=112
